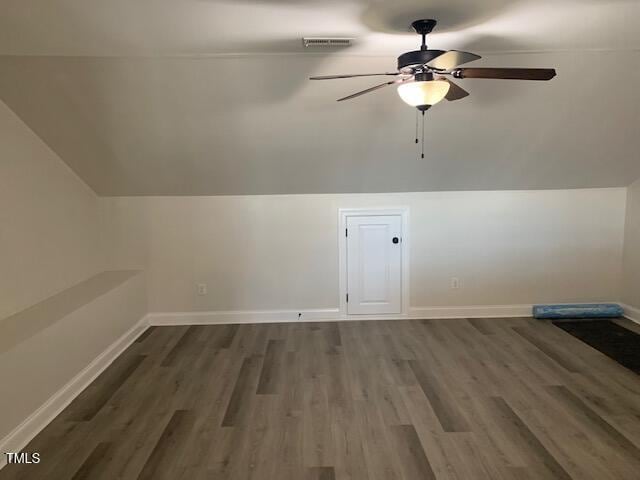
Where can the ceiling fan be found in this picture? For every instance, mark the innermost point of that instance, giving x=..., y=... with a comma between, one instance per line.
x=422, y=74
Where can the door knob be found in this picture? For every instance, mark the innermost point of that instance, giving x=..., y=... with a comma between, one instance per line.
x=395, y=240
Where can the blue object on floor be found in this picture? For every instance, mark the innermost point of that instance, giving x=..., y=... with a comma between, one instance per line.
x=578, y=310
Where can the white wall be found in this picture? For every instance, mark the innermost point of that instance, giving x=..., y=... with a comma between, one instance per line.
x=35, y=368
x=281, y=252
x=631, y=262
x=50, y=224
x=51, y=239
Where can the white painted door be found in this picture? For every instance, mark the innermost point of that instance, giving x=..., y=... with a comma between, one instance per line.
x=374, y=264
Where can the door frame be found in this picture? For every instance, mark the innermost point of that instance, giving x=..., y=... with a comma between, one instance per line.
x=343, y=214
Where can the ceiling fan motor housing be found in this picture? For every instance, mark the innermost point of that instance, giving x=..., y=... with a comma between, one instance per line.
x=409, y=61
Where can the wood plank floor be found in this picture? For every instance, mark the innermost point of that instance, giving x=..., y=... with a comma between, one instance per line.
x=415, y=399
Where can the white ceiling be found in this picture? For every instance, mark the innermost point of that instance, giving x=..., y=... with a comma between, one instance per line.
x=190, y=97
x=160, y=27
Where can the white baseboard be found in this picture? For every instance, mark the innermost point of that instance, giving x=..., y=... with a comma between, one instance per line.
x=474, y=311
x=631, y=313
x=332, y=314
x=29, y=428
x=241, y=316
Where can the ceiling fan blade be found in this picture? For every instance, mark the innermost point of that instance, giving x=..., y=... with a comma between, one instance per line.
x=333, y=77
x=451, y=59
x=506, y=73
x=456, y=92
x=357, y=94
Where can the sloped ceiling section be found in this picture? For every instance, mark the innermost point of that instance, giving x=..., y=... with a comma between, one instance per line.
x=200, y=98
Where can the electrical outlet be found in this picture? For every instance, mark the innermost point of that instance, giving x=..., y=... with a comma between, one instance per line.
x=202, y=289
x=455, y=283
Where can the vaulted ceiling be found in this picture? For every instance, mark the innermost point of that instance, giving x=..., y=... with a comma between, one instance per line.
x=205, y=97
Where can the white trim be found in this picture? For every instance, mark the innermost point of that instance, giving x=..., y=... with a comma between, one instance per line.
x=346, y=54
x=241, y=316
x=343, y=213
x=631, y=313
x=333, y=314
x=17, y=439
x=474, y=311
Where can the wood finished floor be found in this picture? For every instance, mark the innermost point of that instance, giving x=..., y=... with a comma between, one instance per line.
x=453, y=399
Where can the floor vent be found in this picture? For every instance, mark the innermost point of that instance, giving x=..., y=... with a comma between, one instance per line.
x=315, y=42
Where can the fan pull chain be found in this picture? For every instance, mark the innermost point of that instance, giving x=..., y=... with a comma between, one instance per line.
x=417, y=117
x=422, y=154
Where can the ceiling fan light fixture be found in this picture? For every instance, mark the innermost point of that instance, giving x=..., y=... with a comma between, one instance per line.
x=422, y=93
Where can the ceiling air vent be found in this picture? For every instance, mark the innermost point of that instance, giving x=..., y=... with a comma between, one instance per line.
x=319, y=42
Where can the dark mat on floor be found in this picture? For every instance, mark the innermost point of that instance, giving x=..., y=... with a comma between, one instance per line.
x=616, y=342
